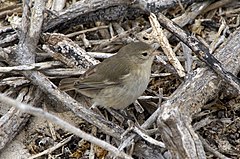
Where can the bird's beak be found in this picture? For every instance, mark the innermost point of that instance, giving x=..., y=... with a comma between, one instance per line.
x=155, y=46
x=155, y=52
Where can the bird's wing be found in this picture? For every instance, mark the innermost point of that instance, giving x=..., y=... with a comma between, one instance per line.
x=102, y=75
x=67, y=84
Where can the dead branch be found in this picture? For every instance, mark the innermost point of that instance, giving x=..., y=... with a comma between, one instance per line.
x=14, y=120
x=174, y=121
x=45, y=115
x=200, y=50
x=28, y=40
x=83, y=12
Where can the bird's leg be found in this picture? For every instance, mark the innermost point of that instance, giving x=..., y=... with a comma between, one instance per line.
x=131, y=126
x=116, y=115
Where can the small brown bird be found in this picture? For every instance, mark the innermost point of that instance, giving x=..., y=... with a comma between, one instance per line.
x=117, y=81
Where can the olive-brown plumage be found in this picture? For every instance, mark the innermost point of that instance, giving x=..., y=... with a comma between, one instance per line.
x=117, y=81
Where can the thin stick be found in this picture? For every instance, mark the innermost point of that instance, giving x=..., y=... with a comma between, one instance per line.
x=51, y=149
x=86, y=30
x=34, y=66
x=163, y=41
x=148, y=138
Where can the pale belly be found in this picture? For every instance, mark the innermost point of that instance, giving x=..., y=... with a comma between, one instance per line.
x=121, y=97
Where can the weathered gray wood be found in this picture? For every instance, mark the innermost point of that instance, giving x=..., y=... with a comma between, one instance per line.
x=86, y=11
x=174, y=122
x=14, y=120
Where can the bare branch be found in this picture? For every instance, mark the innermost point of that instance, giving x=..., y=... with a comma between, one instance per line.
x=45, y=115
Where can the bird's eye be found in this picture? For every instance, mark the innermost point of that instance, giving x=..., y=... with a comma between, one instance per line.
x=144, y=54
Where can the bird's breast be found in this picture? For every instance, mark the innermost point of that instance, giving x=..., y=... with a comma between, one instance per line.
x=132, y=86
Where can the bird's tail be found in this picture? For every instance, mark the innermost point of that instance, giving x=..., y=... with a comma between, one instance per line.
x=67, y=84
